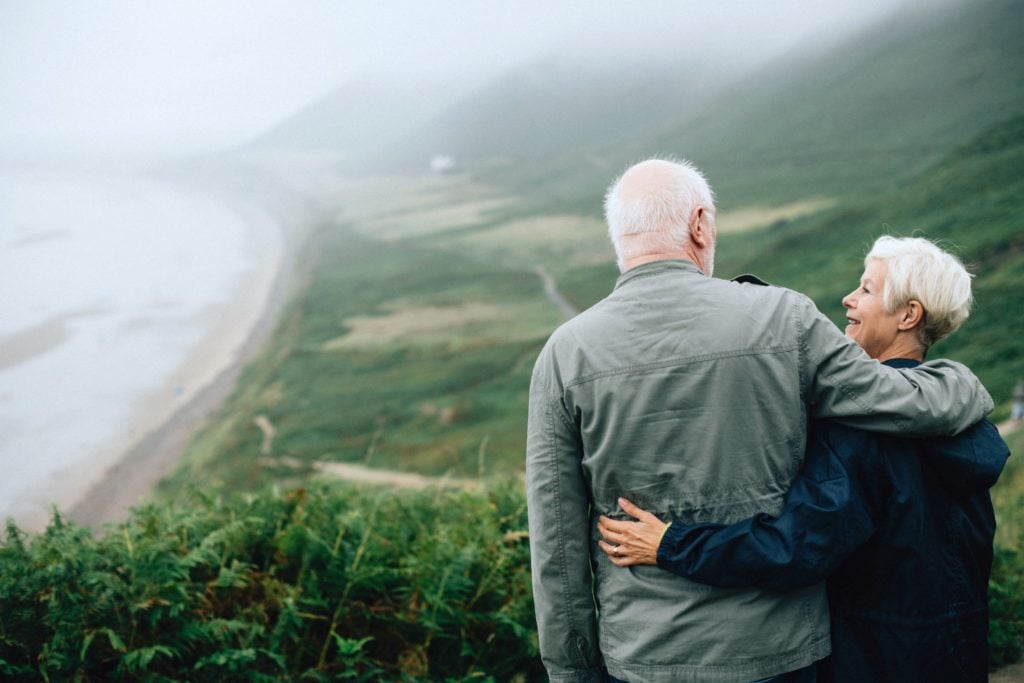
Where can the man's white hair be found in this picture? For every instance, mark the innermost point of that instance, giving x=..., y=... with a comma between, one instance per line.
x=663, y=214
x=917, y=269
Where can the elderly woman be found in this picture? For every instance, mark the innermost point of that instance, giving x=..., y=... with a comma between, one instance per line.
x=901, y=528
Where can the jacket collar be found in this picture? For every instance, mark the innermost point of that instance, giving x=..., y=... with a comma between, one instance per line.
x=656, y=268
x=901, y=363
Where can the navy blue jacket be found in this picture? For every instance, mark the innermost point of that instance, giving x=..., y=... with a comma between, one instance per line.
x=903, y=530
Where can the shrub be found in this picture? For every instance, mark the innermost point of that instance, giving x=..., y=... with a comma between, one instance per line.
x=1006, y=594
x=320, y=584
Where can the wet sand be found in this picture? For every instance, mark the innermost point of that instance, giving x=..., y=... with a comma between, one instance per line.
x=234, y=333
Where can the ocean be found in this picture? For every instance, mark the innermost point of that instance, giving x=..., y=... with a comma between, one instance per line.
x=118, y=299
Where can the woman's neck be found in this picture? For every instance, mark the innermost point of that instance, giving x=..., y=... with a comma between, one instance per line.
x=902, y=347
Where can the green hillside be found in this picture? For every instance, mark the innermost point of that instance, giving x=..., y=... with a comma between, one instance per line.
x=529, y=125
x=834, y=120
x=866, y=114
x=412, y=347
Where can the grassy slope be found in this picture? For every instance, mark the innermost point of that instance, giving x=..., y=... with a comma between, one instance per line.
x=862, y=116
x=438, y=392
x=844, y=119
x=530, y=125
x=439, y=400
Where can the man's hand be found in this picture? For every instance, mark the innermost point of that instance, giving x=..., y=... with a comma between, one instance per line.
x=630, y=543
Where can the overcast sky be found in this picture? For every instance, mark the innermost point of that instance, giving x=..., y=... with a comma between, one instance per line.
x=194, y=74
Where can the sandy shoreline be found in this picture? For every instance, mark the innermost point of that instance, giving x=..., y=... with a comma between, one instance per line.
x=164, y=421
x=234, y=333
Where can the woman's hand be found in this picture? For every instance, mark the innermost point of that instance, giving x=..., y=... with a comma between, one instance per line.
x=630, y=543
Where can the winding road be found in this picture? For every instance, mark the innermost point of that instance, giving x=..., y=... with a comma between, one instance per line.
x=554, y=296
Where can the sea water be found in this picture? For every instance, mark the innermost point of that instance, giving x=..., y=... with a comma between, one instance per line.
x=107, y=283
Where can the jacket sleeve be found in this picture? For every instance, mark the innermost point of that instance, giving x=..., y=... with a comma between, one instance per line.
x=559, y=514
x=840, y=381
x=829, y=511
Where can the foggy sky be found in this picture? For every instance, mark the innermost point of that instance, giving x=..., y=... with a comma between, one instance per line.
x=188, y=75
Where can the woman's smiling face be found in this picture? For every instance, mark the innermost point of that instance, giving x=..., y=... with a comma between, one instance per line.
x=867, y=323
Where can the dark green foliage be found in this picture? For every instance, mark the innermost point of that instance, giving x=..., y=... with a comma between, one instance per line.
x=1006, y=604
x=1006, y=589
x=322, y=584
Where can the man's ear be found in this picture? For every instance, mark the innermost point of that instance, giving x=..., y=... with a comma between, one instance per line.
x=699, y=231
x=913, y=314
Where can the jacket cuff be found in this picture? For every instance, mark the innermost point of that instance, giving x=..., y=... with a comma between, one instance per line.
x=663, y=532
x=669, y=539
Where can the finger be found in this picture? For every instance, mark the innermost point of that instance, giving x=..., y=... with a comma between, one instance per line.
x=608, y=548
x=624, y=561
x=637, y=513
x=634, y=511
x=629, y=508
x=618, y=526
x=613, y=537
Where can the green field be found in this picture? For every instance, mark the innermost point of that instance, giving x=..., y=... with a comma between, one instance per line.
x=412, y=345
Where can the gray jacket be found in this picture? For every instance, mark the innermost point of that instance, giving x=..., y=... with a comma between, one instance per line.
x=690, y=396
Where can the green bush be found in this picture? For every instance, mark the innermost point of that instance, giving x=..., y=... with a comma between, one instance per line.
x=321, y=584
x=327, y=583
x=1006, y=590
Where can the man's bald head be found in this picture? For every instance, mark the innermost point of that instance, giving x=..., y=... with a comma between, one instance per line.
x=651, y=206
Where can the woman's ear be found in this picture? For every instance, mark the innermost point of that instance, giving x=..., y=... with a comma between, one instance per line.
x=913, y=314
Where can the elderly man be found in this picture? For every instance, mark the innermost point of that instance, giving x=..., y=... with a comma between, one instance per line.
x=723, y=376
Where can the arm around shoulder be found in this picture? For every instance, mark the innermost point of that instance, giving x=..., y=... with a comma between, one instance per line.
x=841, y=382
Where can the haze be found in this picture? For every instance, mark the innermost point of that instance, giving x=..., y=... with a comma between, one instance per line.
x=189, y=76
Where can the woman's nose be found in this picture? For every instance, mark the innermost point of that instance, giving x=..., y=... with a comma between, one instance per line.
x=848, y=300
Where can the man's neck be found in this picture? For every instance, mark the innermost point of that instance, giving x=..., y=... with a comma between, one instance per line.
x=635, y=261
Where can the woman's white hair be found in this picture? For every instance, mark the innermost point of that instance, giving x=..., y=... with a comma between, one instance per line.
x=919, y=270
x=663, y=213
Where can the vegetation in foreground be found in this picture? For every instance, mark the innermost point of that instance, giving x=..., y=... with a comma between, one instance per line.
x=318, y=584
x=325, y=583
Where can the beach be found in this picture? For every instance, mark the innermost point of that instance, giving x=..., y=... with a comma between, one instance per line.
x=101, y=390
x=233, y=335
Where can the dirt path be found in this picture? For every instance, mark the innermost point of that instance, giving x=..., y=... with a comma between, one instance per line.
x=554, y=296
x=361, y=474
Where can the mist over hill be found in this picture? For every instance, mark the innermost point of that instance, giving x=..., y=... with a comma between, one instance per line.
x=359, y=120
x=878, y=109
x=887, y=101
